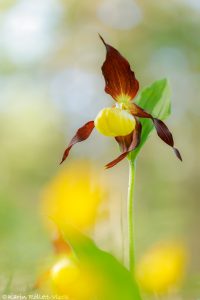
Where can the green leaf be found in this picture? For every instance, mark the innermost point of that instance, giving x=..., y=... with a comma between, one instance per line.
x=155, y=99
x=117, y=283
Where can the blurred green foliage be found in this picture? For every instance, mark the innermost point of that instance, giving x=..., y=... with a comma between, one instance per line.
x=115, y=280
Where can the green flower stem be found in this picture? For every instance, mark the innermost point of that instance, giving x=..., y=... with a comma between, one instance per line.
x=130, y=208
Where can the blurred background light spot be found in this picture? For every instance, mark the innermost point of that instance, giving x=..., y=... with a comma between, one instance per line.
x=169, y=58
x=195, y=4
x=25, y=32
x=171, y=62
x=6, y=4
x=119, y=14
x=78, y=92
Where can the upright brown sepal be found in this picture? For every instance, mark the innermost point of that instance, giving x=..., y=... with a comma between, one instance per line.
x=82, y=134
x=119, y=78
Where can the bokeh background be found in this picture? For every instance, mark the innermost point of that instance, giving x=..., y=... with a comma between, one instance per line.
x=51, y=83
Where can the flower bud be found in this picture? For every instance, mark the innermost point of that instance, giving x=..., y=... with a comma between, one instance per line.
x=114, y=122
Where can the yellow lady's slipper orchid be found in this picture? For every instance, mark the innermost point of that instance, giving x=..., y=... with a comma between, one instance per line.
x=73, y=280
x=121, y=123
x=161, y=268
x=114, y=121
x=73, y=196
x=64, y=275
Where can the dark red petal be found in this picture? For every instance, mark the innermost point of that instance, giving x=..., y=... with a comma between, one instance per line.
x=163, y=132
x=177, y=152
x=124, y=141
x=82, y=134
x=131, y=141
x=139, y=112
x=119, y=78
x=116, y=160
x=161, y=129
x=165, y=135
x=136, y=136
x=127, y=144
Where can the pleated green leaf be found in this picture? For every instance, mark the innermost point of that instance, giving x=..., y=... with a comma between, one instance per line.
x=156, y=100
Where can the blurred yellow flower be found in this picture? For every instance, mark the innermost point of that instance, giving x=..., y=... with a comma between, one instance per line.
x=64, y=274
x=76, y=281
x=73, y=196
x=161, y=268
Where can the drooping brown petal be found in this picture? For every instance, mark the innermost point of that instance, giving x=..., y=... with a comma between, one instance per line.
x=161, y=129
x=119, y=78
x=164, y=133
x=124, y=141
x=132, y=140
x=116, y=160
x=136, y=136
x=43, y=278
x=127, y=144
x=59, y=244
x=82, y=134
x=137, y=111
